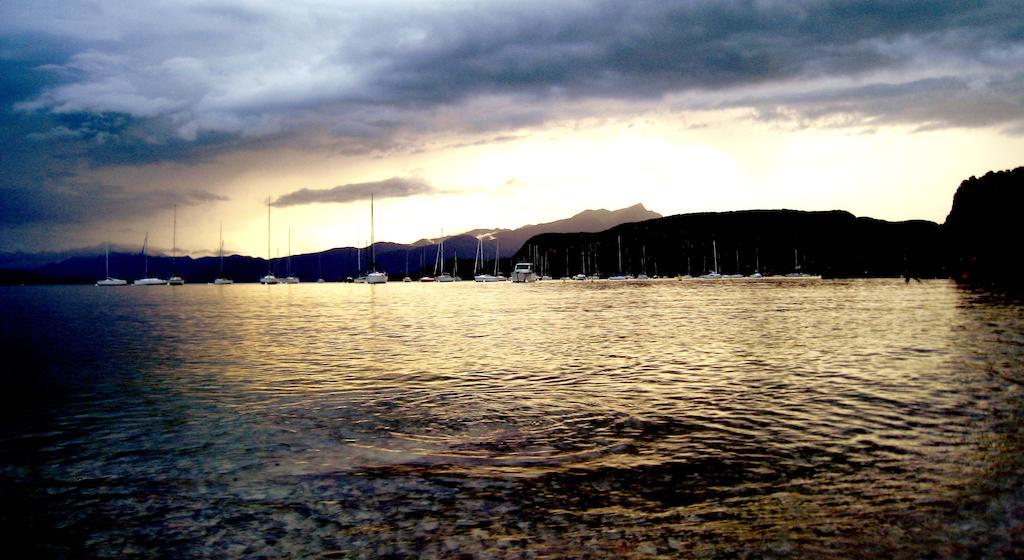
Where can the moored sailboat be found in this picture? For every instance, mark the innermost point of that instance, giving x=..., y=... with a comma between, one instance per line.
x=146, y=280
x=269, y=278
x=109, y=280
x=714, y=274
x=174, y=279
x=290, y=278
x=220, y=280
x=375, y=276
x=619, y=275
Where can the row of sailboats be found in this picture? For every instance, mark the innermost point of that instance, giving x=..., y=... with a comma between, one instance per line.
x=174, y=279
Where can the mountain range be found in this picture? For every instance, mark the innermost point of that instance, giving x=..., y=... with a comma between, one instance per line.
x=978, y=243
x=85, y=265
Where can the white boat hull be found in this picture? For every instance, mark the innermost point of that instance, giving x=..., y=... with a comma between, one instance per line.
x=445, y=278
x=223, y=281
x=377, y=278
x=176, y=281
x=269, y=279
x=291, y=280
x=150, y=282
x=112, y=282
x=520, y=276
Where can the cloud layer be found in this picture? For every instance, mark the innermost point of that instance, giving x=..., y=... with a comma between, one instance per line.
x=84, y=85
x=395, y=187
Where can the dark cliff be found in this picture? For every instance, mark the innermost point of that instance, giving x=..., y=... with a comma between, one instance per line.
x=833, y=244
x=982, y=233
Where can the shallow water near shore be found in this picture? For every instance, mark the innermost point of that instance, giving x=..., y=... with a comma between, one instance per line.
x=772, y=418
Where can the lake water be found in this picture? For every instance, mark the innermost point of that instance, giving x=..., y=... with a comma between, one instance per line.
x=775, y=418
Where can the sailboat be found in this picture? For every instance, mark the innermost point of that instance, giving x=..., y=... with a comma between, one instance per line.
x=320, y=268
x=269, y=278
x=108, y=281
x=479, y=263
x=220, y=280
x=174, y=280
x=443, y=276
x=737, y=273
x=619, y=276
x=713, y=275
x=290, y=279
x=757, y=264
x=360, y=277
x=406, y=278
x=146, y=280
x=437, y=255
x=375, y=276
x=498, y=276
x=643, y=265
x=797, y=272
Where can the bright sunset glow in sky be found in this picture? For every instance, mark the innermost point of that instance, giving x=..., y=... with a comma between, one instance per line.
x=487, y=114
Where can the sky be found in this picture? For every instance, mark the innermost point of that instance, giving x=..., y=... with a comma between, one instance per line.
x=469, y=114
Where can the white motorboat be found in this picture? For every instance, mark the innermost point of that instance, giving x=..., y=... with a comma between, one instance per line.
x=523, y=272
x=377, y=278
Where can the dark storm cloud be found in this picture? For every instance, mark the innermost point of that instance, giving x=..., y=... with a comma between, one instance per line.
x=395, y=187
x=85, y=85
x=89, y=203
x=365, y=70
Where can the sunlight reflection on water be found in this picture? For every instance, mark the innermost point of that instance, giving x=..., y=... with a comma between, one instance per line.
x=569, y=419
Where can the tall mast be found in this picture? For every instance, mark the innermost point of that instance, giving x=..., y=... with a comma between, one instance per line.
x=222, y=249
x=174, y=238
x=714, y=253
x=620, y=254
x=289, y=251
x=373, y=253
x=108, y=259
x=145, y=257
x=497, y=254
x=476, y=255
x=268, y=235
